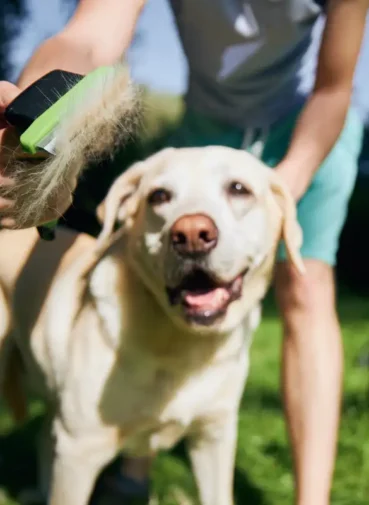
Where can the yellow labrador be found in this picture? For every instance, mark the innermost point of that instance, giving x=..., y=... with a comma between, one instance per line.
x=141, y=337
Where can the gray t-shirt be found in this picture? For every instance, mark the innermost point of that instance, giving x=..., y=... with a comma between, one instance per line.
x=250, y=61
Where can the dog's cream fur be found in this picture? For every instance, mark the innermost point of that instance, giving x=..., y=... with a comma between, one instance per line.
x=118, y=365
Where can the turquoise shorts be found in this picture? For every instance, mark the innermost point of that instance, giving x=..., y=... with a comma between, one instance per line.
x=322, y=210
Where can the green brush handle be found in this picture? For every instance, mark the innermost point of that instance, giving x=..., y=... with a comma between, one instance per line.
x=47, y=230
x=45, y=124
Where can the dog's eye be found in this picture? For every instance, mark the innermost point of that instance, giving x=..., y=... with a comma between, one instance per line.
x=236, y=188
x=159, y=196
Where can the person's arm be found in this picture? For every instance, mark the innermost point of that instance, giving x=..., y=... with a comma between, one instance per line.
x=98, y=34
x=323, y=117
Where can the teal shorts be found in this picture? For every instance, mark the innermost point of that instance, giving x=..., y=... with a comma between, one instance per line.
x=322, y=210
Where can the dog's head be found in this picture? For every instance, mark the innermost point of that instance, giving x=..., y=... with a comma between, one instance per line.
x=202, y=226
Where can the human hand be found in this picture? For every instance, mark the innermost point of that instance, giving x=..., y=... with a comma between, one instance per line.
x=11, y=189
x=8, y=143
x=297, y=180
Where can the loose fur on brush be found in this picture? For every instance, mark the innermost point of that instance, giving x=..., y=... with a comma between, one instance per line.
x=91, y=129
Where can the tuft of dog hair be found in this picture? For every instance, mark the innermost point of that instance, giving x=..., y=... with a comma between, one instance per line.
x=91, y=129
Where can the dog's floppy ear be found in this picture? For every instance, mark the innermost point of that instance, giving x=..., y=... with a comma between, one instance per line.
x=291, y=230
x=121, y=202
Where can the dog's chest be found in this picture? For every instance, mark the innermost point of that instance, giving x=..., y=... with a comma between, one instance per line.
x=157, y=384
x=158, y=407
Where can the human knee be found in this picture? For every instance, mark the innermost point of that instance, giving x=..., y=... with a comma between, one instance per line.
x=304, y=295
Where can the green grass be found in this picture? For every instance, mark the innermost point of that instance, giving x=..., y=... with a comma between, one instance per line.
x=263, y=467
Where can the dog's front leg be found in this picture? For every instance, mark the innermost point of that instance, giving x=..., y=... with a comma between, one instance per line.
x=72, y=481
x=77, y=464
x=212, y=452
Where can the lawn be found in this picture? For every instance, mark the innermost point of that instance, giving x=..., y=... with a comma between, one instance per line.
x=263, y=467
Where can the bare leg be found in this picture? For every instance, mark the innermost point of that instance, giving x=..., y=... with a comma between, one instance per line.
x=312, y=375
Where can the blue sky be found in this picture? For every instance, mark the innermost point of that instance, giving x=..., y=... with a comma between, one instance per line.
x=157, y=59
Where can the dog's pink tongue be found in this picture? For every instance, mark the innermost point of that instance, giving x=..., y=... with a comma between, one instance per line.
x=211, y=300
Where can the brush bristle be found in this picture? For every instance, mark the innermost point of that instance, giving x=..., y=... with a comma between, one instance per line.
x=89, y=131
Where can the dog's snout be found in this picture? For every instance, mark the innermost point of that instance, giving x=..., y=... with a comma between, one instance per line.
x=194, y=234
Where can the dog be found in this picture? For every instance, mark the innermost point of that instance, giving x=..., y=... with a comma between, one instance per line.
x=141, y=337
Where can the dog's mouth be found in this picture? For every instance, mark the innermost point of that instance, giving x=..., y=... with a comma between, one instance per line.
x=205, y=299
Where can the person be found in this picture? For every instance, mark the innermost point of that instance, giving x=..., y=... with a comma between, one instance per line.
x=274, y=77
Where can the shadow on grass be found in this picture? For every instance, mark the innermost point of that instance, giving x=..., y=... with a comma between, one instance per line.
x=18, y=464
x=245, y=491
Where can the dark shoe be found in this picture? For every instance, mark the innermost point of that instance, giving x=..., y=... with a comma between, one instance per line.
x=117, y=489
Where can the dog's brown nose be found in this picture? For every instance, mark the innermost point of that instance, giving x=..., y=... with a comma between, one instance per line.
x=194, y=234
